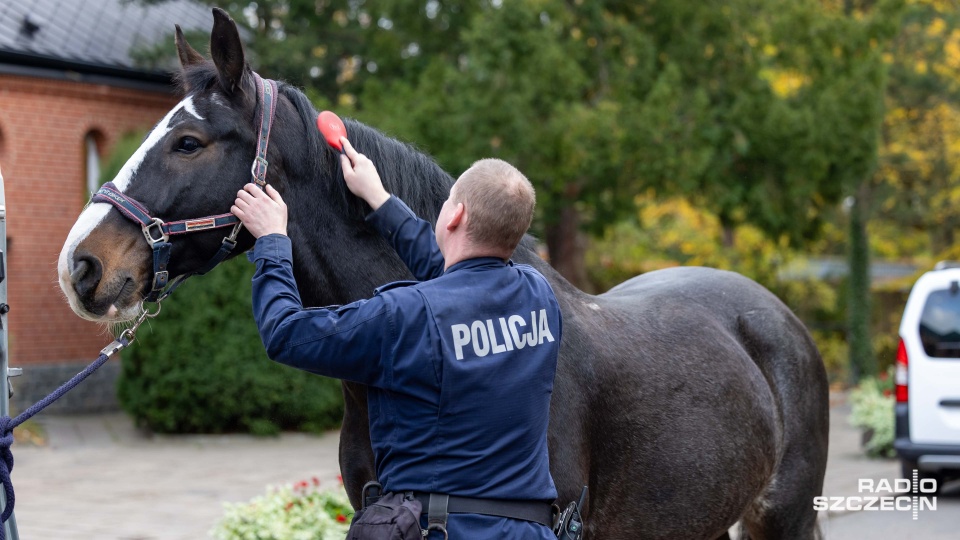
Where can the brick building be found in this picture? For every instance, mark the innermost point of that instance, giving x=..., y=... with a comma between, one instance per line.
x=69, y=89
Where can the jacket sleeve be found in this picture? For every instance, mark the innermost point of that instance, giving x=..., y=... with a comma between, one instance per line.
x=345, y=343
x=411, y=237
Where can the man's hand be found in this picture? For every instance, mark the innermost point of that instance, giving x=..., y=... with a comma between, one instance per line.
x=361, y=176
x=262, y=212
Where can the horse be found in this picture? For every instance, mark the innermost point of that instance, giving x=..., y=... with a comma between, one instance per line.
x=687, y=399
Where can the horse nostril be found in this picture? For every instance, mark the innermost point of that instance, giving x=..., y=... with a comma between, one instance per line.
x=86, y=274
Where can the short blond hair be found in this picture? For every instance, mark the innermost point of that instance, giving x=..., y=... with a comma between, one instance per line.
x=499, y=201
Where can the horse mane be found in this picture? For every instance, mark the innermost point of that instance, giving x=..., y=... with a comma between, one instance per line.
x=405, y=171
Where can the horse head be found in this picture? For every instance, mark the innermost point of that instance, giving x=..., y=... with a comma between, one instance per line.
x=190, y=165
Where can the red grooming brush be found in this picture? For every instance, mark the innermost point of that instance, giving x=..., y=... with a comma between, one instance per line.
x=332, y=129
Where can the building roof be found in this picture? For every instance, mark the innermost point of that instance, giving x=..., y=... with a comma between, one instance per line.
x=98, y=37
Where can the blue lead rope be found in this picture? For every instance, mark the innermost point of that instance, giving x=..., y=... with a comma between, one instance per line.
x=7, y=424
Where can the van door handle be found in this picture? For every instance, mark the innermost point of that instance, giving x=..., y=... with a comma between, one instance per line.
x=950, y=403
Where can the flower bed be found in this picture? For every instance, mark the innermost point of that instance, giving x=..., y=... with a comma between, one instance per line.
x=872, y=411
x=302, y=511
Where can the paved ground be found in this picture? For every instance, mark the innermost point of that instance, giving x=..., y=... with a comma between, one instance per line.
x=99, y=478
x=847, y=464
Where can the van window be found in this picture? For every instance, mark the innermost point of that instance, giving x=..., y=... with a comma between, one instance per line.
x=940, y=324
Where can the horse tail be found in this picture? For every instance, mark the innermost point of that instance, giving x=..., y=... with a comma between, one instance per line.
x=782, y=348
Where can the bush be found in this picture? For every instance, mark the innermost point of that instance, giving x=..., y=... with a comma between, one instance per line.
x=872, y=402
x=298, y=512
x=200, y=367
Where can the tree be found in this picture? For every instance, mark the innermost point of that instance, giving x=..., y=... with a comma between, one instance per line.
x=918, y=180
x=759, y=111
x=331, y=48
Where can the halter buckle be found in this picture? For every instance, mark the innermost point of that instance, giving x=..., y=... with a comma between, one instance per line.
x=155, y=225
x=259, y=171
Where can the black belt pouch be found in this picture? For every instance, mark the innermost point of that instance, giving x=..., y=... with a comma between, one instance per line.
x=396, y=516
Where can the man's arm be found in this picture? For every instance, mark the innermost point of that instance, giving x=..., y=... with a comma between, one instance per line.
x=344, y=344
x=411, y=237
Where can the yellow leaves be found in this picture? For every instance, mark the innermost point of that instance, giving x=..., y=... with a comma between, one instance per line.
x=319, y=51
x=936, y=28
x=920, y=67
x=708, y=50
x=770, y=50
x=897, y=114
x=785, y=83
x=681, y=233
x=951, y=52
x=348, y=69
x=576, y=33
x=940, y=6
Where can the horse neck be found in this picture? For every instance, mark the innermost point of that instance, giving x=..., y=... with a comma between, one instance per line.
x=338, y=257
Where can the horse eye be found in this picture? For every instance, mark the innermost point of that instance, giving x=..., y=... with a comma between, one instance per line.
x=188, y=145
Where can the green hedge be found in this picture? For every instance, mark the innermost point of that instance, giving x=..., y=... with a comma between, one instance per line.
x=200, y=367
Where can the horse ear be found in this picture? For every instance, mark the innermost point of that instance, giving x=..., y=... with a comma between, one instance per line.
x=188, y=55
x=227, y=50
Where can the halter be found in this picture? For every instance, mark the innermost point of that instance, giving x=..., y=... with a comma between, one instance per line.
x=158, y=233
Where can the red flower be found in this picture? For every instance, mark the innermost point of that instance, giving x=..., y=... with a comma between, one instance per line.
x=302, y=484
x=883, y=376
x=887, y=393
x=289, y=506
x=341, y=518
x=340, y=479
x=316, y=481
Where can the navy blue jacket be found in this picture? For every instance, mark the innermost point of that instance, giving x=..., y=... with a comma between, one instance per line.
x=460, y=368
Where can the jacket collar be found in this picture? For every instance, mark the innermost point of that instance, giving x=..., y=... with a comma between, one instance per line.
x=478, y=262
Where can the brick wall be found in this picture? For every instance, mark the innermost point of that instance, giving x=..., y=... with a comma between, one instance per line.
x=43, y=125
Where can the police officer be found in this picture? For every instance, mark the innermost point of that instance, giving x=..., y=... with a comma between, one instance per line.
x=460, y=365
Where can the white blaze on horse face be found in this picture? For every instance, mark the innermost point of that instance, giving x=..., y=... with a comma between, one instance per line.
x=126, y=174
x=94, y=213
x=88, y=220
x=188, y=106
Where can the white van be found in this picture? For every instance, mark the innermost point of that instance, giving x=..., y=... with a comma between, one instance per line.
x=927, y=434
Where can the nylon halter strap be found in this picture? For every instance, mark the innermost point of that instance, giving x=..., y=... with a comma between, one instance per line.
x=158, y=233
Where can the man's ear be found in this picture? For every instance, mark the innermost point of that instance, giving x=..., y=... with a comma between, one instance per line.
x=458, y=218
x=227, y=50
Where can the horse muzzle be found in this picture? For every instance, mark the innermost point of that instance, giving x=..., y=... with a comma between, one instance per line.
x=103, y=267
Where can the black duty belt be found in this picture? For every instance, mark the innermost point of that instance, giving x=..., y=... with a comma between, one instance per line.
x=535, y=511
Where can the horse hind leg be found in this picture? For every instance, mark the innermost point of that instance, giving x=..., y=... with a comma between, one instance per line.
x=788, y=518
x=780, y=514
x=790, y=361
